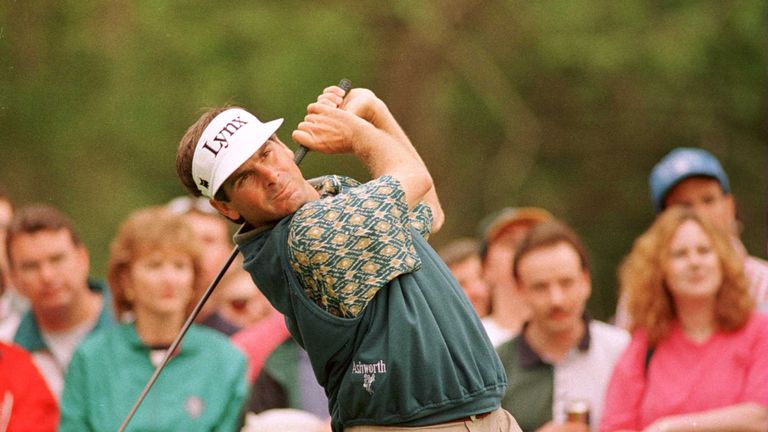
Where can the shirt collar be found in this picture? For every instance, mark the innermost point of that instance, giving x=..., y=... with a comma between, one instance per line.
x=325, y=186
x=130, y=335
x=530, y=358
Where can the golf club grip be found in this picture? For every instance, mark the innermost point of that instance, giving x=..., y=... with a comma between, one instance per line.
x=345, y=85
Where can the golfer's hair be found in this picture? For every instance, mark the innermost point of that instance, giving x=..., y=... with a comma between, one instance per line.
x=144, y=231
x=186, y=151
x=36, y=218
x=547, y=234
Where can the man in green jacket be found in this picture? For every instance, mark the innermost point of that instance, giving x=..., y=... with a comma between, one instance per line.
x=49, y=265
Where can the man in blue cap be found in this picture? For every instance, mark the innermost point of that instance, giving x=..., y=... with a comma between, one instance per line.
x=694, y=178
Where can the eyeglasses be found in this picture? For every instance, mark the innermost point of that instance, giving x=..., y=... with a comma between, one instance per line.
x=184, y=204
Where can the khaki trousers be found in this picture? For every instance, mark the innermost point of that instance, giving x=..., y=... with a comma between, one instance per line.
x=497, y=421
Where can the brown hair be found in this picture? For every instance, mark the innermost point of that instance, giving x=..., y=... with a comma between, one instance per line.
x=641, y=276
x=547, y=234
x=186, y=151
x=459, y=250
x=145, y=230
x=39, y=217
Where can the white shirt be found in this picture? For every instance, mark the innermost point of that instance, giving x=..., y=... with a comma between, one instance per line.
x=584, y=375
x=496, y=333
x=61, y=346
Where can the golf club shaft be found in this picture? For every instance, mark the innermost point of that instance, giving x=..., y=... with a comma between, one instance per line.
x=300, y=153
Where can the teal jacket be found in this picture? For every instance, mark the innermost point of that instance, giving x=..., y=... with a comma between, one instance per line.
x=202, y=388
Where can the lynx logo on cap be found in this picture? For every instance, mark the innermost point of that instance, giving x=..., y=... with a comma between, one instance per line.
x=230, y=139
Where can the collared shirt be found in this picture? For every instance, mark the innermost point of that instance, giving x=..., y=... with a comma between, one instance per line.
x=363, y=361
x=347, y=246
x=539, y=391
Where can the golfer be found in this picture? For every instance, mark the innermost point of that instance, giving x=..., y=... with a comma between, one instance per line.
x=389, y=332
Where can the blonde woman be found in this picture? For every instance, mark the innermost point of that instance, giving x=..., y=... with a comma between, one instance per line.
x=153, y=270
x=698, y=359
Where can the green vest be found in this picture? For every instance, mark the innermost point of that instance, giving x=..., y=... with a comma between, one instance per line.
x=417, y=355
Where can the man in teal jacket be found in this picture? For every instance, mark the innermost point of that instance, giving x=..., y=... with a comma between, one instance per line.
x=389, y=332
x=49, y=265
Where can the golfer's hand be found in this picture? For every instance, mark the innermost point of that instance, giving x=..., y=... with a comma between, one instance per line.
x=327, y=129
x=366, y=105
x=331, y=96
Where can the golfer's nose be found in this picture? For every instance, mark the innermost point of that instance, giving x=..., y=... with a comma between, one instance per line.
x=267, y=173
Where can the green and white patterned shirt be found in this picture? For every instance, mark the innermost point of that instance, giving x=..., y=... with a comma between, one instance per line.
x=345, y=251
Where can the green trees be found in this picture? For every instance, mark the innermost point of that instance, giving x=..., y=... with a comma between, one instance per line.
x=564, y=104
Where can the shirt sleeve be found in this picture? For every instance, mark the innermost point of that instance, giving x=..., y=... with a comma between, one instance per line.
x=346, y=247
x=420, y=219
x=624, y=396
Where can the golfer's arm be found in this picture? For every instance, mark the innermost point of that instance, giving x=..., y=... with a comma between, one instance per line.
x=383, y=120
x=383, y=155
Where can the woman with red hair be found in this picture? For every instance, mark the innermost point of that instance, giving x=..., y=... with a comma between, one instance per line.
x=698, y=359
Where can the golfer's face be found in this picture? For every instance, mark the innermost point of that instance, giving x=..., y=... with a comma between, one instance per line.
x=268, y=186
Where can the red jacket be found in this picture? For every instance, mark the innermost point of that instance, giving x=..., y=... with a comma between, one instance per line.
x=26, y=403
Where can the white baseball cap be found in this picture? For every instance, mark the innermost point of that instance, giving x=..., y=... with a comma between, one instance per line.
x=227, y=142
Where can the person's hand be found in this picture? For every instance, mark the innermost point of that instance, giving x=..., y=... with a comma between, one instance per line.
x=564, y=427
x=327, y=129
x=361, y=102
x=331, y=96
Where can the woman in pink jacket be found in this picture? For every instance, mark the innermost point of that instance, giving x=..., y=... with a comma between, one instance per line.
x=698, y=359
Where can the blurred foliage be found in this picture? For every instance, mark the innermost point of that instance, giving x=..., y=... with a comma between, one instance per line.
x=563, y=104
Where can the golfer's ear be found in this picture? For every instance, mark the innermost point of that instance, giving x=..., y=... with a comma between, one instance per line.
x=224, y=208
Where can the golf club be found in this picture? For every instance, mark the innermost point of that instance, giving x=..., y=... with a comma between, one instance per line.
x=346, y=85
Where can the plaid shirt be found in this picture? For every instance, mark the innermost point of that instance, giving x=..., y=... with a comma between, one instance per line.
x=353, y=241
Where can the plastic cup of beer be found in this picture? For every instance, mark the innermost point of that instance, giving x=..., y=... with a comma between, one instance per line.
x=577, y=411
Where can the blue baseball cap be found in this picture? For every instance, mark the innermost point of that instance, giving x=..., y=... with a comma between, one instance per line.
x=680, y=164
